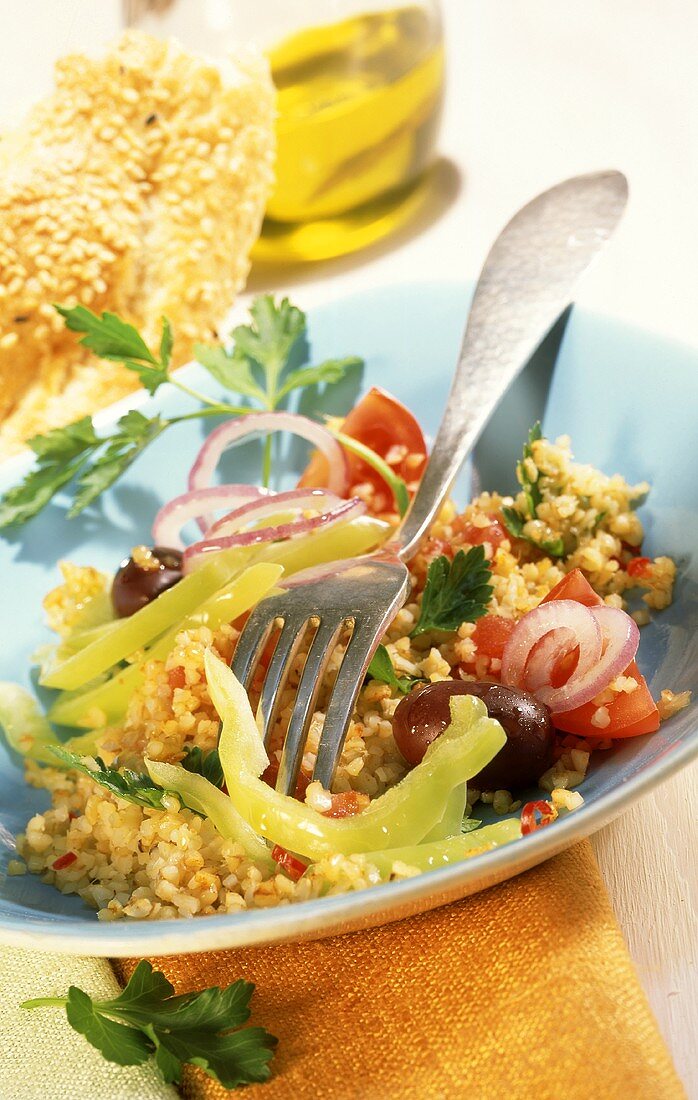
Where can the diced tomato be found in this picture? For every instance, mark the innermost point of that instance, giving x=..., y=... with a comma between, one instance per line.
x=574, y=586
x=637, y=567
x=294, y=867
x=382, y=423
x=495, y=533
x=529, y=821
x=491, y=634
x=346, y=804
x=64, y=861
x=271, y=774
x=176, y=677
x=631, y=714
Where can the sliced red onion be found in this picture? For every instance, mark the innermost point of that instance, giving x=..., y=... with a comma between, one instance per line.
x=580, y=628
x=319, y=500
x=345, y=510
x=621, y=638
x=172, y=517
x=545, y=654
x=233, y=431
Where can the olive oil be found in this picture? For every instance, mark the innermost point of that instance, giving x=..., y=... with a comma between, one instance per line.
x=359, y=104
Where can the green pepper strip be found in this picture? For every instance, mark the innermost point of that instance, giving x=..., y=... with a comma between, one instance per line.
x=429, y=857
x=27, y=730
x=111, y=698
x=200, y=795
x=133, y=633
x=395, y=484
x=453, y=815
x=403, y=815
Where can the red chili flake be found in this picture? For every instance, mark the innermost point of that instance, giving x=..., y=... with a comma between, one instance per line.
x=64, y=861
x=294, y=867
x=529, y=824
x=637, y=567
x=72, y=815
x=177, y=677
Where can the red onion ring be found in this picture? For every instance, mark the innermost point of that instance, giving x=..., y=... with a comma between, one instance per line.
x=621, y=638
x=345, y=510
x=172, y=517
x=233, y=431
x=578, y=624
x=607, y=639
x=551, y=648
x=294, y=499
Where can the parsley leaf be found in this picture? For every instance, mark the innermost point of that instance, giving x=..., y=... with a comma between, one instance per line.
x=203, y=763
x=231, y=369
x=271, y=337
x=109, y=336
x=455, y=592
x=329, y=372
x=117, y=1042
x=61, y=453
x=147, y=1018
x=129, y=785
x=514, y=524
x=135, y=432
x=381, y=668
x=531, y=488
x=112, y=338
x=513, y=519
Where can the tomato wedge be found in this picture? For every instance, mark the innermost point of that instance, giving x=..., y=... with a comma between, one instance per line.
x=631, y=715
x=381, y=422
x=574, y=586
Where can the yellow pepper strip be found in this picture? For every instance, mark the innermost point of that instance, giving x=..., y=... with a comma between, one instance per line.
x=404, y=815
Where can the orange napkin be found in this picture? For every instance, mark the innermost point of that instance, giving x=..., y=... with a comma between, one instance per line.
x=525, y=990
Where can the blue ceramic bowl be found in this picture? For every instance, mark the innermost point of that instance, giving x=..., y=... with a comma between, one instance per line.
x=628, y=400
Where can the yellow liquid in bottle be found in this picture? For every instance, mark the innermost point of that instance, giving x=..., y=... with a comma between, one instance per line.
x=359, y=104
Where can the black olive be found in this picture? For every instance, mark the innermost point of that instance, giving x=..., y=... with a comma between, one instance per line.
x=424, y=714
x=134, y=587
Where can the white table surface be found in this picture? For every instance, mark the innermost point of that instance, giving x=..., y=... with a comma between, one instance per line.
x=537, y=91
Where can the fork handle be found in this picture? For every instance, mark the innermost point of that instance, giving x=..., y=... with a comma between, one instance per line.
x=527, y=281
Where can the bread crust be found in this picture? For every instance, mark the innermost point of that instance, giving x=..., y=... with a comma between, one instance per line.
x=137, y=186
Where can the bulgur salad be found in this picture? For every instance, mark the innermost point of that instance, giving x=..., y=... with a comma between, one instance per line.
x=512, y=662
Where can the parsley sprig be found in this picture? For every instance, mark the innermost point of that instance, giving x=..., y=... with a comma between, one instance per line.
x=206, y=763
x=258, y=364
x=123, y=782
x=514, y=518
x=258, y=369
x=147, y=1020
x=455, y=592
x=382, y=669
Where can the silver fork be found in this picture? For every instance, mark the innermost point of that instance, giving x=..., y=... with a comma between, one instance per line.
x=525, y=284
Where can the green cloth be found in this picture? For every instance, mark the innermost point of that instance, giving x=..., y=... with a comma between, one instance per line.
x=42, y=1057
